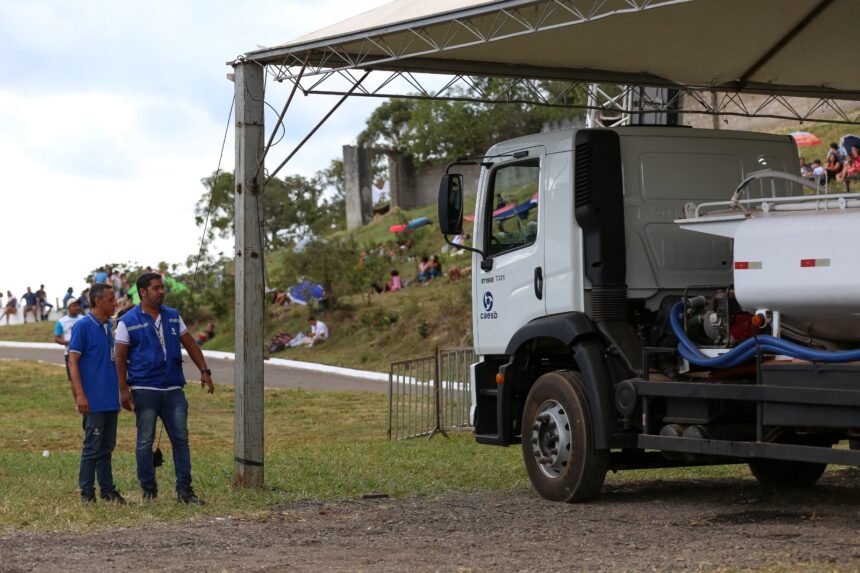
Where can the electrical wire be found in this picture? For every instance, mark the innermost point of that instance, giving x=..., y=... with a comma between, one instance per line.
x=211, y=200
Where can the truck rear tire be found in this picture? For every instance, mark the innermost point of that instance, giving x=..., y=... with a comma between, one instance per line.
x=784, y=473
x=558, y=440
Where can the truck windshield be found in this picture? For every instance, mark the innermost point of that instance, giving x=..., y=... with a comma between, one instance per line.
x=512, y=207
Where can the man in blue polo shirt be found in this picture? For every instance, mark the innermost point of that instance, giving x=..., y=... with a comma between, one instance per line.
x=97, y=394
x=149, y=359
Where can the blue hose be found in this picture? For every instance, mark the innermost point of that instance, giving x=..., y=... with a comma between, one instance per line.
x=748, y=348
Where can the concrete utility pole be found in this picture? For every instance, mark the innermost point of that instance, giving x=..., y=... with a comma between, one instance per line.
x=248, y=430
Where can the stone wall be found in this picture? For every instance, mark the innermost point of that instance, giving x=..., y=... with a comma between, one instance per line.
x=357, y=183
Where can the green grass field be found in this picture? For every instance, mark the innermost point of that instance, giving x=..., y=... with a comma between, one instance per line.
x=31, y=332
x=321, y=446
x=318, y=446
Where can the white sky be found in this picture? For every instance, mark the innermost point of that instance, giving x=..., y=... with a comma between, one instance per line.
x=112, y=112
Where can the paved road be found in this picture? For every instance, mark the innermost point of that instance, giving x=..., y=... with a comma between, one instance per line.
x=275, y=376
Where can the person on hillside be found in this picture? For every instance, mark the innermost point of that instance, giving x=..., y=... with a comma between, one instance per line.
x=819, y=173
x=149, y=359
x=31, y=305
x=101, y=276
x=395, y=284
x=852, y=165
x=44, y=306
x=435, y=269
x=459, y=241
x=805, y=168
x=317, y=332
x=97, y=395
x=206, y=335
x=115, y=282
x=423, y=268
x=84, y=301
x=63, y=330
x=69, y=296
x=11, y=307
x=833, y=162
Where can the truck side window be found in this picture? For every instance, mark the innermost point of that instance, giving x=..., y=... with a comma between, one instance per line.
x=512, y=201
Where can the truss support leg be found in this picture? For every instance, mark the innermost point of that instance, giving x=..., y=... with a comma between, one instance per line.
x=248, y=425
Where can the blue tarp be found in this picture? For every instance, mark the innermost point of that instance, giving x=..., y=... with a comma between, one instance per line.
x=304, y=291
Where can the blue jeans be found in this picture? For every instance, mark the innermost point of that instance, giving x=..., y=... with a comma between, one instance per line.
x=172, y=407
x=99, y=442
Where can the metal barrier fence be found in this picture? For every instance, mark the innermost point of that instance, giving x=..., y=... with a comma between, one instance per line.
x=418, y=406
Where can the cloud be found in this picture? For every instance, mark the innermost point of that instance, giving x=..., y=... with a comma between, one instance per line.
x=112, y=112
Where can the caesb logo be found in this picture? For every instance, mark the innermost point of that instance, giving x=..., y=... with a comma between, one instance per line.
x=488, y=307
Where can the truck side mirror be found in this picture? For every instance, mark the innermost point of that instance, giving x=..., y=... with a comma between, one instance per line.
x=451, y=204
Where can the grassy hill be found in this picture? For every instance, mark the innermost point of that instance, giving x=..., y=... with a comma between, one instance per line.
x=368, y=331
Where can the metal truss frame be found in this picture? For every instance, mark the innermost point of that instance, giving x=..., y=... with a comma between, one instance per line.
x=401, y=45
x=604, y=106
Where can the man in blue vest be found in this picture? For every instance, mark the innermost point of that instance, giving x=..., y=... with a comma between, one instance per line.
x=149, y=359
x=97, y=395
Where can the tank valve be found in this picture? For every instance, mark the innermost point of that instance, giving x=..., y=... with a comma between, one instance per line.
x=761, y=318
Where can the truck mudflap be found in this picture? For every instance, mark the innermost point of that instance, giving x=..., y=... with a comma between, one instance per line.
x=598, y=384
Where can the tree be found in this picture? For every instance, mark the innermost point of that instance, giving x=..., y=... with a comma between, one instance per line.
x=437, y=131
x=290, y=209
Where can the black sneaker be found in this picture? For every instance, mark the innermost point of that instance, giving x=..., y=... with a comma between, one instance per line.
x=149, y=493
x=187, y=496
x=88, y=497
x=113, y=496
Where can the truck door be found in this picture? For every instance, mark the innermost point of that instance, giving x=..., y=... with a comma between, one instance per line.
x=509, y=283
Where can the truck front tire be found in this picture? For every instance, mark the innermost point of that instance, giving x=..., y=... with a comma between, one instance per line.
x=558, y=440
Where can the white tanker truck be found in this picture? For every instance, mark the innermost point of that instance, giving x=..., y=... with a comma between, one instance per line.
x=660, y=296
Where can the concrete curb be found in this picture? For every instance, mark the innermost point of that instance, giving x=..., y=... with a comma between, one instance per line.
x=218, y=355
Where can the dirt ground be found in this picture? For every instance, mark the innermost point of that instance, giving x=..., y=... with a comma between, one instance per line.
x=689, y=525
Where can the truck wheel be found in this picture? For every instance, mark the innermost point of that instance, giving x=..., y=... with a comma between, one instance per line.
x=558, y=442
x=784, y=473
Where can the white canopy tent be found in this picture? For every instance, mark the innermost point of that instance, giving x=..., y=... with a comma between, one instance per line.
x=736, y=47
x=778, y=48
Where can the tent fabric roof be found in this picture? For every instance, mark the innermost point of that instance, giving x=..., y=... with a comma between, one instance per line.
x=765, y=46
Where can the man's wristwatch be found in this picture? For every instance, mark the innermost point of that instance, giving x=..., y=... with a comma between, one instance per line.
x=206, y=371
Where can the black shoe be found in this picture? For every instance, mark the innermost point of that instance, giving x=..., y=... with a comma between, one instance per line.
x=113, y=496
x=88, y=497
x=187, y=496
x=149, y=493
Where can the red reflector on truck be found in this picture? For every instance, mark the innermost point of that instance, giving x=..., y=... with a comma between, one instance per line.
x=747, y=265
x=814, y=262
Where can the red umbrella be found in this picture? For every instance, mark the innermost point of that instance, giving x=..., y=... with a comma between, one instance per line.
x=805, y=139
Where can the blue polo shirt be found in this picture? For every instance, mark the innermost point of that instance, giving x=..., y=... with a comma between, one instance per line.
x=93, y=341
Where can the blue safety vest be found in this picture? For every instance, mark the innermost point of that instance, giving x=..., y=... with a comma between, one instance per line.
x=148, y=364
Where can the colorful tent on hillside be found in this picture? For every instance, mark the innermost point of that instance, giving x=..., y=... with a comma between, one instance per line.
x=303, y=292
x=411, y=225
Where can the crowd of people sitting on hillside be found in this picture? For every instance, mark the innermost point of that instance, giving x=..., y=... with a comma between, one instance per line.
x=841, y=164
x=35, y=305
